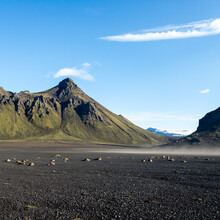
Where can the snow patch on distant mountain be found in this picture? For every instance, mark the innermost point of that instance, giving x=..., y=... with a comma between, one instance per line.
x=171, y=133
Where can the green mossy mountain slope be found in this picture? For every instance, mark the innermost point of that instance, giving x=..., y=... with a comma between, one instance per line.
x=66, y=113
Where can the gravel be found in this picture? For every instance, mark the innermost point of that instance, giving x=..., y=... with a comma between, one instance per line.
x=119, y=186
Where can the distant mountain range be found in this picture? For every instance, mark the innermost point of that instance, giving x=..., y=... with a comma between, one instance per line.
x=66, y=113
x=170, y=133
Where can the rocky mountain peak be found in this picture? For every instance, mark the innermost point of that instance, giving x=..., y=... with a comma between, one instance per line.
x=64, y=84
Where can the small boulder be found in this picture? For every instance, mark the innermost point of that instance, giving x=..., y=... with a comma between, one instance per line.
x=150, y=160
x=20, y=162
x=143, y=161
x=87, y=159
x=51, y=163
x=31, y=164
x=28, y=207
x=99, y=158
x=66, y=159
x=8, y=160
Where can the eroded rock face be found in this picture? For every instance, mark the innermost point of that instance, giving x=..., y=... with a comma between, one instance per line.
x=207, y=133
x=210, y=122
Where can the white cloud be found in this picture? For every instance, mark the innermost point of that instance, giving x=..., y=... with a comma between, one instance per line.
x=86, y=64
x=167, y=121
x=205, y=91
x=82, y=72
x=195, y=29
x=149, y=116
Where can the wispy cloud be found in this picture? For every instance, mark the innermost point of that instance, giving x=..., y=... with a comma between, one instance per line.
x=205, y=91
x=150, y=116
x=81, y=72
x=194, y=29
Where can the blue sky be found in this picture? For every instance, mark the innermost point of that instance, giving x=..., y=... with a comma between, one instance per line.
x=154, y=83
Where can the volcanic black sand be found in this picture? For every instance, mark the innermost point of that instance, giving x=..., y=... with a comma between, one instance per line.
x=120, y=186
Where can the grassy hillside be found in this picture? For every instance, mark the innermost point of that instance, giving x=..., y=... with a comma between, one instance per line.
x=66, y=113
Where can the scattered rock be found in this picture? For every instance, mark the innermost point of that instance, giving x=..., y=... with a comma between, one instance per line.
x=66, y=159
x=181, y=178
x=99, y=158
x=184, y=161
x=30, y=207
x=197, y=199
x=8, y=160
x=20, y=162
x=51, y=163
x=53, y=171
x=150, y=160
x=87, y=159
x=53, y=160
x=14, y=158
x=148, y=200
x=143, y=161
x=85, y=193
x=31, y=164
x=57, y=155
x=163, y=156
x=171, y=160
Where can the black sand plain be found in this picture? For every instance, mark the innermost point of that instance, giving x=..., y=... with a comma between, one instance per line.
x=120, y=186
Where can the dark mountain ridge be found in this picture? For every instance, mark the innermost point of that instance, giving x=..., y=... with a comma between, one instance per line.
x=208, y=131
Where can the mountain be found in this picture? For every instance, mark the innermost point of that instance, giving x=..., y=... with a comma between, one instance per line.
x=66, y=113
x=208, y=131
x=171, y=133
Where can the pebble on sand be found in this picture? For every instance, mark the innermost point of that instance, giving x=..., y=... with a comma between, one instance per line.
x=51, y=163
x=30, y=207
x=87, y=159
x=31, y=164
x=99, y=158
x=20, y=162
x=66, y=159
